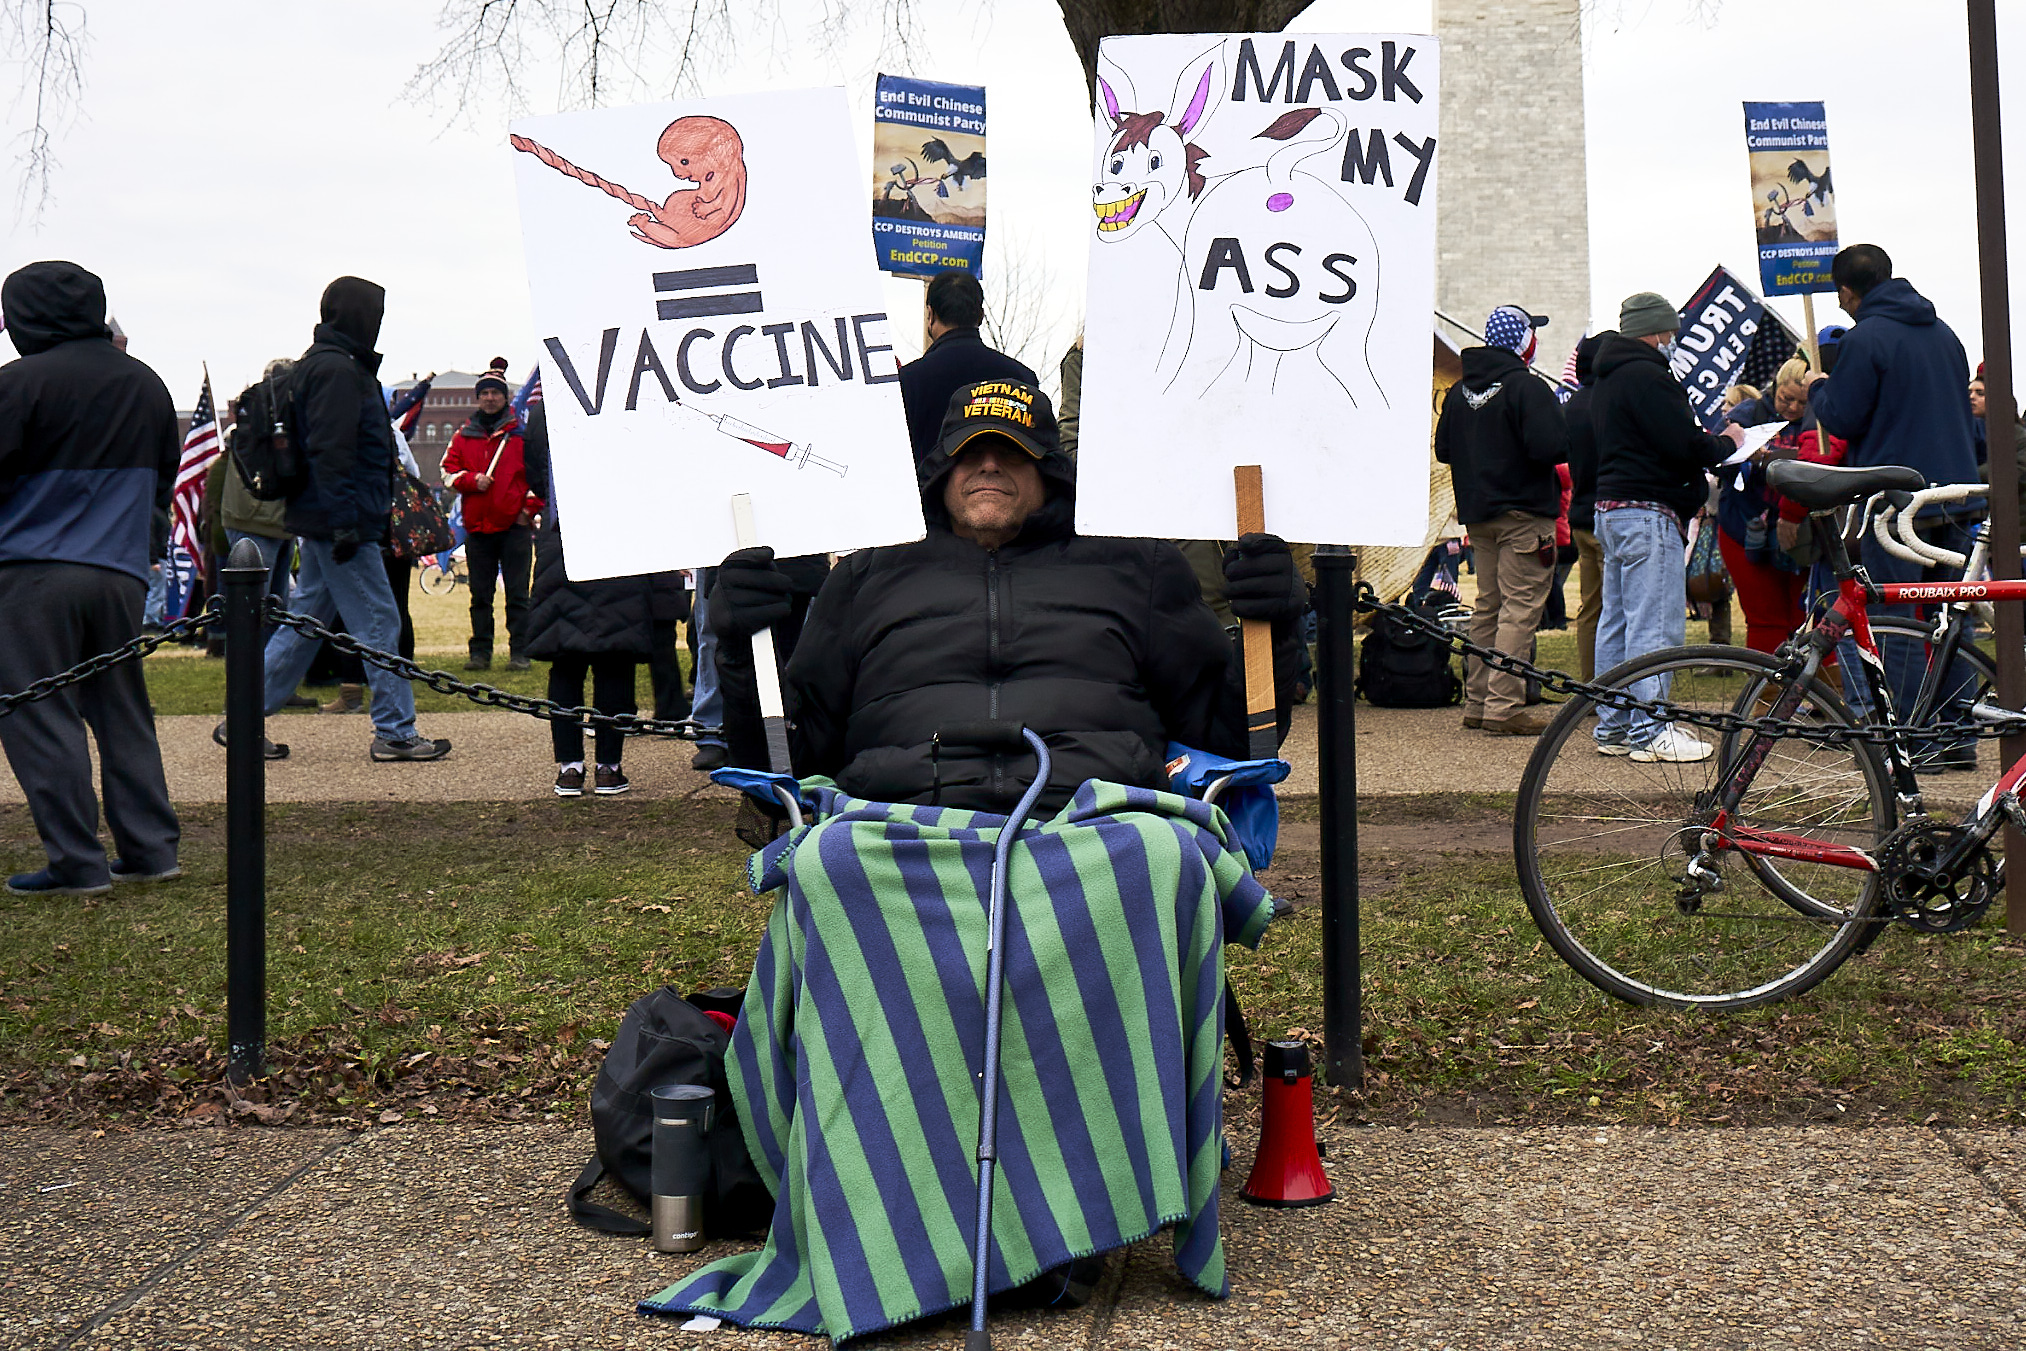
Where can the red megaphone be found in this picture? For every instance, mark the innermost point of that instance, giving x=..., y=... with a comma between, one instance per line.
x=1288, y=1170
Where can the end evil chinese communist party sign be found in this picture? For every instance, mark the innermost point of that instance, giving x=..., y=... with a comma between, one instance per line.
x=1793, y=202
x=928, y=176
x=710, y=326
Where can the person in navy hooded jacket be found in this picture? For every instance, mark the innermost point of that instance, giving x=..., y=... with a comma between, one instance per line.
x=88, y=453
x=1898, y=395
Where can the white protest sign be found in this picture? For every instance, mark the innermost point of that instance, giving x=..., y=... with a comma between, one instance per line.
x=711, y=323
x=1262, y=285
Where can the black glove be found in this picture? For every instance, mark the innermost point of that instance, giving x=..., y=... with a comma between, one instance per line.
x=750, y=594
x=344, y=544
x=1260, y=579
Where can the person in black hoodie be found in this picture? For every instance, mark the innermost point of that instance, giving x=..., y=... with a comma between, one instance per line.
x=341, y=421
x=957, y=356
x=1501, y=434
x=1651, y=480
x=1583, y=505
x=1104, y=646
x=88, y=453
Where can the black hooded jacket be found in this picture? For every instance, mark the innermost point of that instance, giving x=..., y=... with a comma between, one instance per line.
x=959, y=358
x=341, y=419
x=1649, y=446
x=88, y=442
x=1103, y=646
x=1501, y=434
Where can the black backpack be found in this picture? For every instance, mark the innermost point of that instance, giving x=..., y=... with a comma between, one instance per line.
x=666, y=1039
x=1399, y=666
x=265, y=449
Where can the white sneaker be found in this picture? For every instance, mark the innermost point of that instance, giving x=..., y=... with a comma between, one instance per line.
x=1673, y=746
x=1614, y=748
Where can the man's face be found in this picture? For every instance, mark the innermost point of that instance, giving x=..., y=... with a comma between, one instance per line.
x=1976, y=398
x=1849, y=300
x=992, y=491
x=1790, y=401
x=490, y=401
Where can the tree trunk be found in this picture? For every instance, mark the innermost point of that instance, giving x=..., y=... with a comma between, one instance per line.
x=1090, y=20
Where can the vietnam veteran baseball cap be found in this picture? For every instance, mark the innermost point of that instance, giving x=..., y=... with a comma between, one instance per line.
x=1021, y=413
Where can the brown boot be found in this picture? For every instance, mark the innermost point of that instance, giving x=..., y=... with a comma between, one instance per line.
x=1526, y=722
x=1473, y=721
x=351, y=699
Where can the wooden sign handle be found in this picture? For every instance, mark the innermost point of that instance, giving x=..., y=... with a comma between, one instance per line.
x=766, y=666
x=1261, y=726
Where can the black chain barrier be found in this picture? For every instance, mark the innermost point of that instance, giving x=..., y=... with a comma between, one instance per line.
x=176, y=629
x=491, y=696
x=1729, y=724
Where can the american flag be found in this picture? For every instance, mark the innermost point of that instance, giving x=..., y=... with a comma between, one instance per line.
x=530, y=393
x=200, y=448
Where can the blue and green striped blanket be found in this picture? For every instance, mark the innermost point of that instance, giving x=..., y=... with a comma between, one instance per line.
x=856, y=1061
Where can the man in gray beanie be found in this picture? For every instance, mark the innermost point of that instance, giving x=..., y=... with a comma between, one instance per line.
x=1651, y=458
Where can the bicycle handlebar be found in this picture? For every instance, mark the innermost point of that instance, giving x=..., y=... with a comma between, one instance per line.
x=1892, y=525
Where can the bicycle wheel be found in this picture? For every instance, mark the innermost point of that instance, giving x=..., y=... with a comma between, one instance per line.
x=1603, y=844
x=434, y=581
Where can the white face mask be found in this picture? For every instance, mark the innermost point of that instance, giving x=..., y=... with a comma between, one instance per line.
x=1667, y=349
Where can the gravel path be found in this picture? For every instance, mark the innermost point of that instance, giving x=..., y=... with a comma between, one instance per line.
x=454, y=1236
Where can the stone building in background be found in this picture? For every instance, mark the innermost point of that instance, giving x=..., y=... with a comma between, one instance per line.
x=1512, y=222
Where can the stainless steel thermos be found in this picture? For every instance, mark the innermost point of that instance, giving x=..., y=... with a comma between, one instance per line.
x=681, y=1171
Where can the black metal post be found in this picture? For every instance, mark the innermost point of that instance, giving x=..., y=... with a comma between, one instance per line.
x=1337, y=786
x=1999, y=412
x=245, y=813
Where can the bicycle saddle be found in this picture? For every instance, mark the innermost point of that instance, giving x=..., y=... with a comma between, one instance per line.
x=1822, y=486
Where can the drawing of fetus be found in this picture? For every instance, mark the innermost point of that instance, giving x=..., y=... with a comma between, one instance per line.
x=708, y=161
x=1151, y=173
x=1286, y=277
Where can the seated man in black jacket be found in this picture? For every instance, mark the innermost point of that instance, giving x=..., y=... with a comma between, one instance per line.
x=1104, y=646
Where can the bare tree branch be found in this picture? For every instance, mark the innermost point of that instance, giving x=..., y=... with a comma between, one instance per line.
x=1021, y=302
x=47, y=38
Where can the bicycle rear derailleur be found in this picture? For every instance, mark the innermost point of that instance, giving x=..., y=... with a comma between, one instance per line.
x=1936, y=877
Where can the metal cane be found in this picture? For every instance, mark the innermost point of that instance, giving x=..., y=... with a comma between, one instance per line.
x=1007, y=737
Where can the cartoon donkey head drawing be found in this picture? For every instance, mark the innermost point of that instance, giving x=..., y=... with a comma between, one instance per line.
x=1149, y=163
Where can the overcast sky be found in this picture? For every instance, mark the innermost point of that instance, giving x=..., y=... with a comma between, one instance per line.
x=235, y=155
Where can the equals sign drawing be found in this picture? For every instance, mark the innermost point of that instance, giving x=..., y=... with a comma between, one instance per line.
x=703, y=278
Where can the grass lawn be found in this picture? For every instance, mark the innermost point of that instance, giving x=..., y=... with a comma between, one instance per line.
x=472, y=958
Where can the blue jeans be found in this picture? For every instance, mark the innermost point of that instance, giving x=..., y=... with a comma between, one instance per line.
x=1906, y=662
x=357, y=591
x=158, y=593
x=707, y=702
x=277, y=554
x=1645, y=608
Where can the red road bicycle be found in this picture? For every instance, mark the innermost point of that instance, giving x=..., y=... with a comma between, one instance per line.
x=1749, y=874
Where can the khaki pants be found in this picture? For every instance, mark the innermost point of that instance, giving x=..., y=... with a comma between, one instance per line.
x=1512, y=588
x=1590, y=584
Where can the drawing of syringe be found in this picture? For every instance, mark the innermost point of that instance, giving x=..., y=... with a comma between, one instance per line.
x=798, y=456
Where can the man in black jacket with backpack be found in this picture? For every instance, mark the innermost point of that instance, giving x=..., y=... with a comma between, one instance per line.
x=339, y=418
x=1501, y=434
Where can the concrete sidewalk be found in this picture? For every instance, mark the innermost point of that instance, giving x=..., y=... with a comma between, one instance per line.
x=454, y=1236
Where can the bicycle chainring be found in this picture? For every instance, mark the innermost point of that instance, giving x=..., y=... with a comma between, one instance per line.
x=1925, y=893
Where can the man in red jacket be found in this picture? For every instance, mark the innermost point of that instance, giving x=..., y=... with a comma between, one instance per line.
x=485, y=464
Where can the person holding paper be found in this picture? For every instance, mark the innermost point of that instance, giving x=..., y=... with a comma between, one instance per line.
x=1104, y=646
x=1652, y=458
x=1770, y=582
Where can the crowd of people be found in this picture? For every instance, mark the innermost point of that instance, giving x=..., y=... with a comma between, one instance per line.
x=1606, y=481
x=1620, y=472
